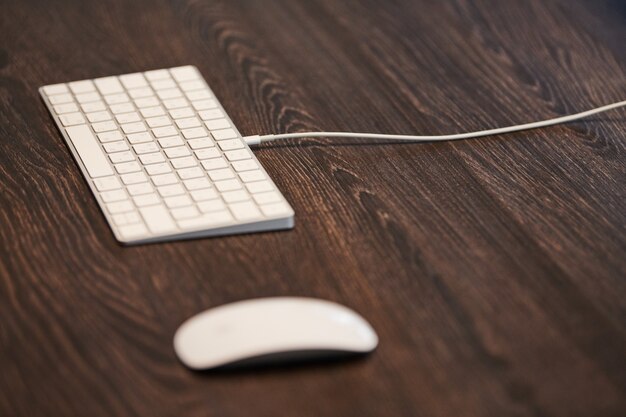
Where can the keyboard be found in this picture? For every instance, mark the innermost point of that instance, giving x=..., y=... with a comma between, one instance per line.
x=162, y=157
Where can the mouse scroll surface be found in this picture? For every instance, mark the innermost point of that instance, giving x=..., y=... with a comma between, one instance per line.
x=271, y=327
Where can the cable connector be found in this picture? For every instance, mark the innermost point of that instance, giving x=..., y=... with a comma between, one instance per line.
x=252, y=140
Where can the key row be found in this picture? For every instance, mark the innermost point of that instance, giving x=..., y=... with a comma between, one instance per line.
x=99, y=109
x=122, y=103
x=187, y=79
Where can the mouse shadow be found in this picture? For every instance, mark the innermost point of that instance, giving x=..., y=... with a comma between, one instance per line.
x=279, y=363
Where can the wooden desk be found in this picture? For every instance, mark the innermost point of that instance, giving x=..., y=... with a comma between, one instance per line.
x=493, y=270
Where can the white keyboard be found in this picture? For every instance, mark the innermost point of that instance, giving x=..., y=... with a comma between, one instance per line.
x=162, y=157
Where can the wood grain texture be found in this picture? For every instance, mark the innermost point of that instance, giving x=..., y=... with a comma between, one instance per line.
x=493, y=270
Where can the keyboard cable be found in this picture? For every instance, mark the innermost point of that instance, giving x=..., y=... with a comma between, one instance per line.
x=256, y=140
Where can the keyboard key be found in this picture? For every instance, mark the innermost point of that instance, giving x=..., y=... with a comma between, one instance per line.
x=197, y=183
x=107, y=183
x=235, y=196
x=175, y=103
x=128, y=117
x=169, y=93
x=237, y=155
x=151, y=158
x=116, y=98
x=156, y=74
x=108, y=85
x=171, y=141
x=207, y=153
x=184, y=73
x=127, y=167
x=158, y=121
x=163, y=84
x=141, y=137
x=212, y=205
x=98, y=116
x=188, y=122
x=266, y=198
x=89, y=151
x=189, y=173
x=158, y=219
x=133, y=80
x=206, y=220
x=72, y=119
x=131, y=217
x=217, y=124
x=183, y=162
x=134, y=178
x=55, y=89
x=198, y=95
x=245, y=211
x=221, y=174
x=133, y=231
x=104, y=126
x=84, y=86
x=146, y=200
x=120, y=207
x=140, y=92
x=200, y=143
x=113, y=195
x=224, y=134
x=181, y=113
x=133, y=127
x=120, y=219
x=246, y=165
x=161, y=168
x=184, y=213
x=152, y=111
x=164, y=179
x=65, y=108
x=192, y=85
x=227, y=185
x=230, y=144
x=211, y=114
x=171, y=190
x=118, y=157
x=121, y=108
x=146, y=102
x=177, y=152
x=204, y=104
x=87, y=97
x=178, y=201
x=61, y=98
x=259, y=187
x=196, y=132
x=250, y=176
x=214, y=164
x=94, y=106
x=145, y=148
x=111, y=136
x=161, y=132
x=204, y=194
x=115, y=146
x=277, y=209
x=140, y=189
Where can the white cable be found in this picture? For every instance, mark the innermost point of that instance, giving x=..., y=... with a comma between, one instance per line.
x=258, y=139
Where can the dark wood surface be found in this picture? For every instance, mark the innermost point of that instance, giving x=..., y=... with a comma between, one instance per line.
x=493, y=270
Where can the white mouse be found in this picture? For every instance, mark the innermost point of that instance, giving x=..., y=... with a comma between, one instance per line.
x=270, y=330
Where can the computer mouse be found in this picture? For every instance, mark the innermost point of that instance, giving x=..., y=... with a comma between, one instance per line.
x=269, y=330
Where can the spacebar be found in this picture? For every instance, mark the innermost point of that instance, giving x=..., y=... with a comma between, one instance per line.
x=89, y=151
